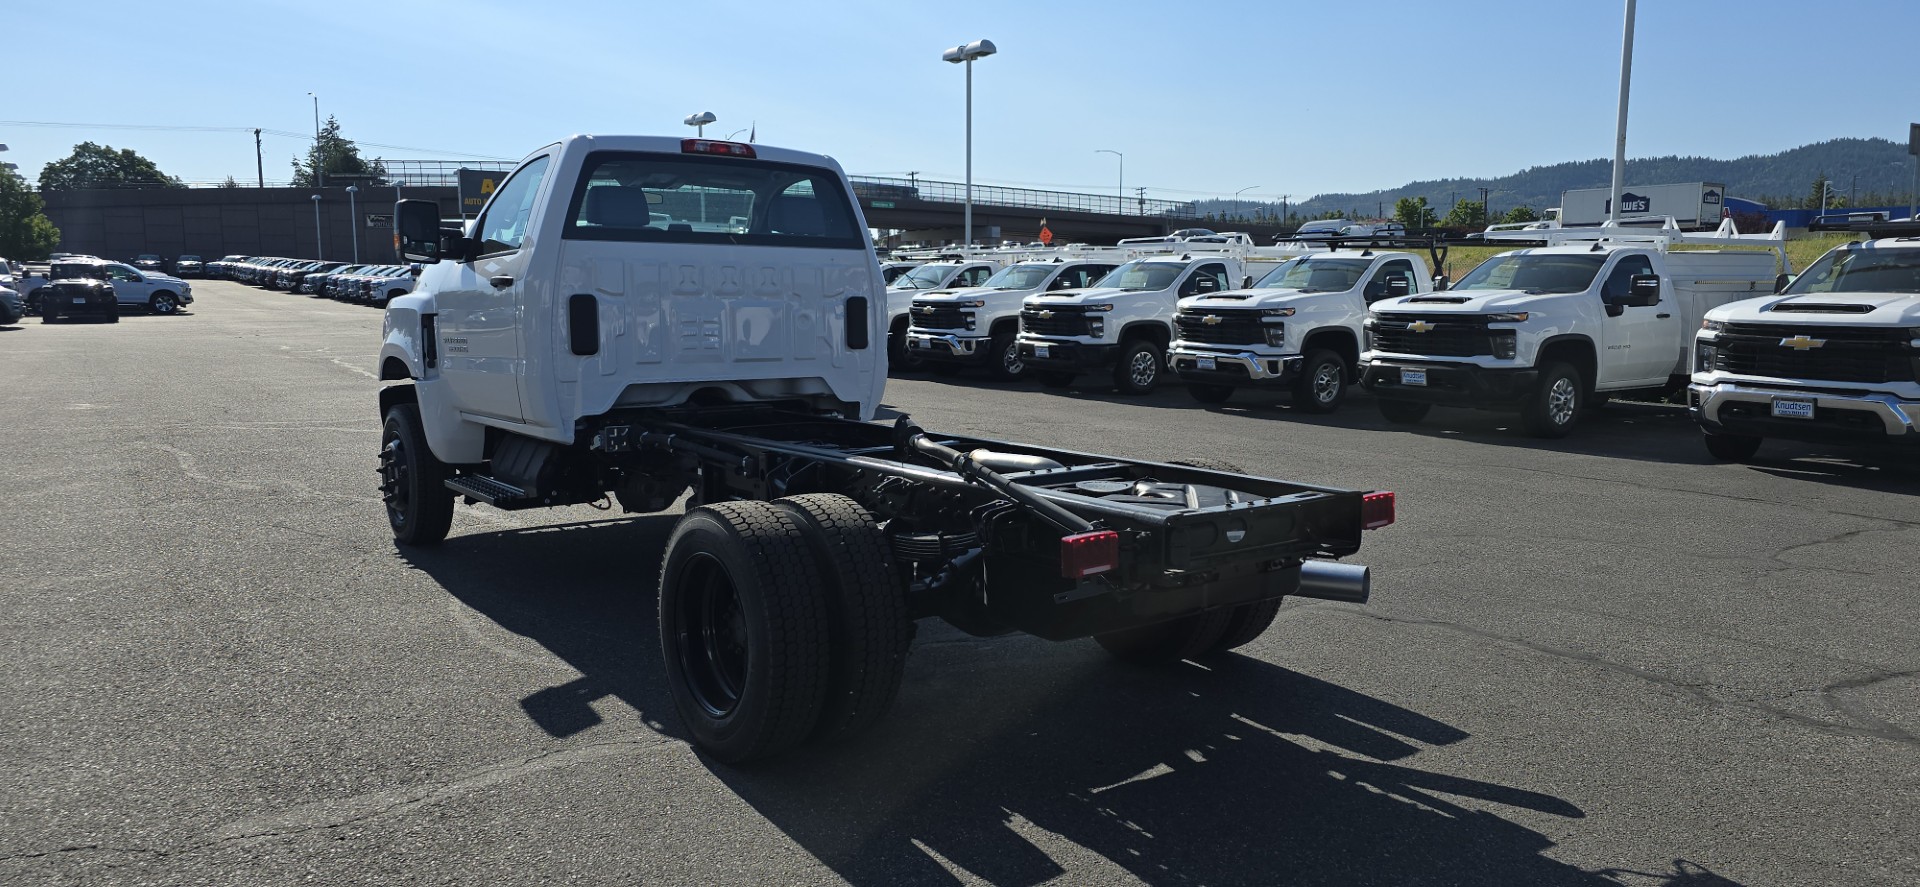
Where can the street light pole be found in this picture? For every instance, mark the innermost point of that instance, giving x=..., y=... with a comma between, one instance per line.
x=319, y=162
x=1236, y=198
x=353, y=220
x=1620, y=126
x=1122, y=190
x=319, y=252
x=966, y=53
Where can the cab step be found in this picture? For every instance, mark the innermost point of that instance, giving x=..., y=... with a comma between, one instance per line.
x=480, y=488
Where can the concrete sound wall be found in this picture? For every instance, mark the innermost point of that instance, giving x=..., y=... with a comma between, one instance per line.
x=214, y=222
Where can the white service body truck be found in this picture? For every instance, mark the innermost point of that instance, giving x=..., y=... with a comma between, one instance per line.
x=1691, y=204
x=1546, y=330
x=1298, y=329
x=980, y=326
x=575, y=347
x=930, y=277
x=1833, y=358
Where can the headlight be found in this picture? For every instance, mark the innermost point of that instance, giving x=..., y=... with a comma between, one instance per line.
x=1516, y=317
x=973, y=303
x=1097, y=308
x=1713, y=326
x=1276, y=312
x=1276, y=334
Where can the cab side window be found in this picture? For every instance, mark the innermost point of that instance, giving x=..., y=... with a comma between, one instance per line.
x=1620, y=281
x=503, y=226
x=1209, y=278
x=974, y=276
x=1398, y=268
x=121, y=274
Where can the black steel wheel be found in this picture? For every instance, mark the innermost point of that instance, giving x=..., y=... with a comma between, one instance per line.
x=867, y=620
x=413, y=480
x=744, y=629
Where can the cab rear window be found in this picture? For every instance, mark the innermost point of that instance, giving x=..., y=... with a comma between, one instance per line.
x=671, y=198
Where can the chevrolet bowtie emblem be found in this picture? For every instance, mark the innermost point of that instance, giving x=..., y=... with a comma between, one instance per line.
x=1211, y=320
x=1420, y=326
x=926, y=309
x=1046, y=315
x=1802, y=342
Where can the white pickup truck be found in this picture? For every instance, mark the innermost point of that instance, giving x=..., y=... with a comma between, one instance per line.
x=570, y=348
x=132, y=288
x=1833, y=358
x=1122, y=324
x=1299, y=329
x=927, y=278
x=980, y=326
x=1547, y=330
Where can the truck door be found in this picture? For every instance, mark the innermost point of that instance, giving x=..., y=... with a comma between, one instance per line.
x=129, y=286
x=1641, y=343
x=479, y=320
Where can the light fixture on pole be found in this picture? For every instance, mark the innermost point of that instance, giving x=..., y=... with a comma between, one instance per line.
x=1236, y=198
x=1123, y=174
x=699, y=122
x=353, y=220
x=967, y=52
x=319, y=252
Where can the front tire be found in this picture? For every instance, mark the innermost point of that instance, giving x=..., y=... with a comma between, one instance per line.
x=1552, y=411
x=899, y=357
x=1138, y=370
x=1321, y=385
x=1006, y=364
x=1403, y=412
x=1732, y=447
x=744, y=629
x=413, y=480
x=164, y=303
x=1205, y=393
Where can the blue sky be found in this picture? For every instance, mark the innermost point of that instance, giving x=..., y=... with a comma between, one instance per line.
x=1203, y=99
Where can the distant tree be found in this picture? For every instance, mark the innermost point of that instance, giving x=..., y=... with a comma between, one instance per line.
x=100, y=166
x=1520, y=214
x=1467, y=214
x=229, y=183
x=1833, y=200
x=335, y=160
x=25, y=231
x=1413, y=212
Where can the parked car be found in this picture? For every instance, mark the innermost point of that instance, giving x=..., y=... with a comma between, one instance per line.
x=149, y=262
x=67, y=298
x=157, y=293
x=12, y=306
x=189, y=266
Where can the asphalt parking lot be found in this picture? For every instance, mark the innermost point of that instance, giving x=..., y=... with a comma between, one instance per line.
x=1596, y=661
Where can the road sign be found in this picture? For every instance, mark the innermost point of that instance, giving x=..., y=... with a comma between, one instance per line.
x=880, y=204
x=379, y=220
x=1913, y=139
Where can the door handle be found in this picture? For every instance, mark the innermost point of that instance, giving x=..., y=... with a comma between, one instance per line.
x=501, y=281
x=1662, y=316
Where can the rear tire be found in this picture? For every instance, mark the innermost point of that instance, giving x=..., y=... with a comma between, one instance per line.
x=1403, y=412
x=1553, y=410
x=1184, y=638
x=867, y=626
x=413, y=480
x=1732, y=447
x=47, y=314
x=744, y=629
x=1205, y=393
x=1139, y=367
x=1005, y=364
x=1054, y=378
x=1249, y=621
x=1322, y=383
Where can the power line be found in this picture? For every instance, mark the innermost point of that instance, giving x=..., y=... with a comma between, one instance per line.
x=281, y=133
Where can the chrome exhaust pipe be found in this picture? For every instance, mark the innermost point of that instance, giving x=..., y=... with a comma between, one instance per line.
x=1331, y=581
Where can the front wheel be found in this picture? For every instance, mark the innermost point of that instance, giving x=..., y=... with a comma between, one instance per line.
x=1138, y=369
x=1005, y=363
x=1732, y=447
x=1403, y=412
x=899, y=356
x=1553, y=409
x=413, y=480
x=1321, y=385
x=164, y=303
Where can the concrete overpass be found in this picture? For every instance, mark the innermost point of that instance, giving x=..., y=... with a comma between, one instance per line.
x=934, y=211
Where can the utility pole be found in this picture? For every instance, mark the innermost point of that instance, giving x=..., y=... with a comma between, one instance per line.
x=1143, y=200
x=259, y=168
x=1486, y=212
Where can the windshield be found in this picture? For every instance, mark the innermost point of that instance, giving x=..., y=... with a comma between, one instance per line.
x=1549, y=273
x=1318, y=275
x=1142, y=276
x=925, y=277
x=1861, y=271
x=1020, y=277
x=77, y=271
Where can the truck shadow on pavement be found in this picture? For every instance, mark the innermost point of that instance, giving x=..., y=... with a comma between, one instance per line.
x=1015, y=761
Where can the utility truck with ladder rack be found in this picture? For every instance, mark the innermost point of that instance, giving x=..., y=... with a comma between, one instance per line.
x=569, y=348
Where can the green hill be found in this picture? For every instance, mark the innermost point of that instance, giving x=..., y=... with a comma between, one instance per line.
x=1776, y=179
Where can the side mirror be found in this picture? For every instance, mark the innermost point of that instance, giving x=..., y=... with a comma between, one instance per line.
x=1246, y=283
x=1399, y=286
x=416, y=230
x=1643, y=291
x=1781, y=283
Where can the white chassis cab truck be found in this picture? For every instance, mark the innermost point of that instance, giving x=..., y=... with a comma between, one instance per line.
x=1833, y=358
x=930, y=277
x=1588, y=313
x=980, y=326
x=646, y=319
x=1122, y=324
x=1298, y=329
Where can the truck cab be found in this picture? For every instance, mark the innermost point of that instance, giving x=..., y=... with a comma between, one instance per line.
x=1832, y=358
x=1299, y=329
x=931, y=277
x=1546, y=330
x=980, y=325
x=1122, y=324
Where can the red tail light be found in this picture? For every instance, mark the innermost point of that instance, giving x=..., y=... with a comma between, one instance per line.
x=1089, y=554
x=708, y=146
x=1376, y=510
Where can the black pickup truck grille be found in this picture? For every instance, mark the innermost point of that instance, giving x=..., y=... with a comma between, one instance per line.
x=1444, y=337
x=1842, y=354
x=1065, y=321
x=937, y=316
x=1221, y=327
